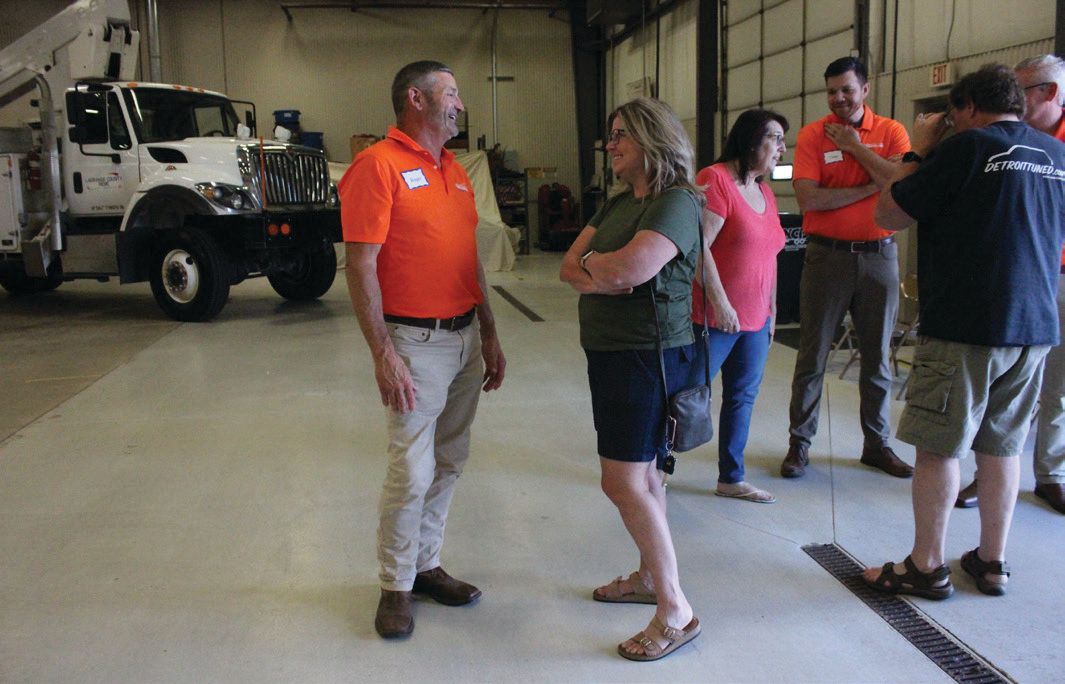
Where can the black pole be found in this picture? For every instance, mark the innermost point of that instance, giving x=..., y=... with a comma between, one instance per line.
x=707, y=83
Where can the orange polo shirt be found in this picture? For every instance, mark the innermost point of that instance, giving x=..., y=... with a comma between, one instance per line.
x=424, y=217
x=818, y=159
x=1059, y=133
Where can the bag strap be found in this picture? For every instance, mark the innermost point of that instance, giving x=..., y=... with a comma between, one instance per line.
x=658, y=330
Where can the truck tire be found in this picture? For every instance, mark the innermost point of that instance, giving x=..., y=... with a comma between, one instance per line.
x=309, y=276
x=14, y=280
x=189, y=275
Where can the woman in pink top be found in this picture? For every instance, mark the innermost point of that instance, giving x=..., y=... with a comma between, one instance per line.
x=743, y=236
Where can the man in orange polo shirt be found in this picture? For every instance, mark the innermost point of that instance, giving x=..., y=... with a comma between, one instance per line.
x=841, y=162
x=1043, y=80
x=417, y=286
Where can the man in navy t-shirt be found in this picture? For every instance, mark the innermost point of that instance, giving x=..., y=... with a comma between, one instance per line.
x=990, y=207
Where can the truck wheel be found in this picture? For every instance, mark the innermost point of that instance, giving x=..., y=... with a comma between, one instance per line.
x=14, y=280
x=308, y=276
x=188, y=275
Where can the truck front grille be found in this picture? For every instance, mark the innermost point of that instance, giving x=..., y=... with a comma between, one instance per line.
x=292, y=177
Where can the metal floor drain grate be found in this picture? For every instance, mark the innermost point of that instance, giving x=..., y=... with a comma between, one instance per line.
x=941, y=648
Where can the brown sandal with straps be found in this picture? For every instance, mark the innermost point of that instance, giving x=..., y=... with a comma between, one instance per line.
x=675, y=638
x=612, y=593
x=980, y=569
x=927, y=585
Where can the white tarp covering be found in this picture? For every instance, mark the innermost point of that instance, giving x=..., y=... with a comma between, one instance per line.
x=495, y=240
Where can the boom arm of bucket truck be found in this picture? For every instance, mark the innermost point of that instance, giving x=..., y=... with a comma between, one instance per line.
x=89, y=40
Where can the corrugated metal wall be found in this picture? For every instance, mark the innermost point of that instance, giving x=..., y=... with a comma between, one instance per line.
x=667, y=50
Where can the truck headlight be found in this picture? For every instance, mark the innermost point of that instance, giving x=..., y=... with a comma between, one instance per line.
x=228, y=196
x=334, y=196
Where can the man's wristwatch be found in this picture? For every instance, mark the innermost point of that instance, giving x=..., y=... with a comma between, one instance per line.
x=911, y=156
x=584, y=257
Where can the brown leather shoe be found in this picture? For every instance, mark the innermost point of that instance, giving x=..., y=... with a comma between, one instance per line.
x=967, y=497
x=795, y=462
x=884, y=458
x=394, y=619
x=443, y=588
x=1053, y=494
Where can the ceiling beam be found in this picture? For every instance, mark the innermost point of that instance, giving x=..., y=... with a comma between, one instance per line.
x=356, y=5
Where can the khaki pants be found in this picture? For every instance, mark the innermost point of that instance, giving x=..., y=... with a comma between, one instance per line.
x=427, y=448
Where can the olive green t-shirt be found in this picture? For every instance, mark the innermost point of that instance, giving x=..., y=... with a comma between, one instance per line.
x=620, y=322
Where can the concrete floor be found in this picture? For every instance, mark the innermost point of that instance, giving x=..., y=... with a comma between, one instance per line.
x=196, y=502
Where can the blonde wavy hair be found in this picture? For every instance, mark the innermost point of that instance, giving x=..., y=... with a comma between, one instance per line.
x=668, y=156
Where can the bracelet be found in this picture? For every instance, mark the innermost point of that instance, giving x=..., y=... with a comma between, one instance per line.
x=584, y=257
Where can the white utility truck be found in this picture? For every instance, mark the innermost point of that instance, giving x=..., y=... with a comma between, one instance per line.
x=148, y=181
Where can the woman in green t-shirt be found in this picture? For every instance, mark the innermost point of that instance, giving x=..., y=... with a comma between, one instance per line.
x=645, y=236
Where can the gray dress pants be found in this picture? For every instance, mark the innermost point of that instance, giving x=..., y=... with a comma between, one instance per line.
x=834, y=282
x=1050, y=432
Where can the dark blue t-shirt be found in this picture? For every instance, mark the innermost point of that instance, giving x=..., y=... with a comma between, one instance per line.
x=990, y=207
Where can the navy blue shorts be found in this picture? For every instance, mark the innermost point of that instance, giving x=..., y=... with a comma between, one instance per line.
x=627, y=404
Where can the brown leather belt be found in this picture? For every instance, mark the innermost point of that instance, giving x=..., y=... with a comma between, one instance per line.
x=452, y=324
x=853, y=247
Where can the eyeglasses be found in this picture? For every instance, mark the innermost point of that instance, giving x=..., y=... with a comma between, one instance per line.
x=1037, y=85
x=615, y=135
x=777, y=138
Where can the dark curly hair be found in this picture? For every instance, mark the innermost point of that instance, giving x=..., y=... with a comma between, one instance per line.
x=993, y=88
x=746, y=135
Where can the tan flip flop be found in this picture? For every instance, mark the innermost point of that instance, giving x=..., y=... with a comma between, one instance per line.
x=755, y=495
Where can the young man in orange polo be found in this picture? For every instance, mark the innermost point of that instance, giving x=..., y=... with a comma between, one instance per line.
x=841, y=162
x=419, y=294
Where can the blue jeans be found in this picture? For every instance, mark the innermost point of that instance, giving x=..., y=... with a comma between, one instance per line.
x=741, y=359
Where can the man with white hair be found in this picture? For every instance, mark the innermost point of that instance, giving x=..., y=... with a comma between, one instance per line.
x=1043, y=80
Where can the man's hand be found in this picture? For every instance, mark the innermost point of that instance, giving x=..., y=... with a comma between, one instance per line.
x=928, y=130
x=495, y=364
x=394, y=382
x=843, y=136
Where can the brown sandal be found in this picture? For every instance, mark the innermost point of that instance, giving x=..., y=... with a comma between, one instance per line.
x=612, y=593
x=674, y=637
x=913, y=581
x=979, y=569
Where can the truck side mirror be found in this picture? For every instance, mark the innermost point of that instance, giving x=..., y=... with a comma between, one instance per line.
x=249, y=120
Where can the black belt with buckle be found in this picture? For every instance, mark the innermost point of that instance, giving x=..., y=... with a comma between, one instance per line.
x=847, y=246
x=452, y=324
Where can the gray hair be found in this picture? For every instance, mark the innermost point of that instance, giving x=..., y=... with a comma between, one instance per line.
x=420, y=75
x=669, y=159
x=1046, y=69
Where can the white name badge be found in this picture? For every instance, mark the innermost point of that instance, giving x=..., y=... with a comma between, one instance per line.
x=833, y=156
x=415, y=178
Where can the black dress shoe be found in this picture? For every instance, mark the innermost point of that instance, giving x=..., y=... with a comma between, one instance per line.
x=443, y=588
x=795, y=462
x=885, y=459
x=1053, y=494
x=394, y=619
x=967, y=497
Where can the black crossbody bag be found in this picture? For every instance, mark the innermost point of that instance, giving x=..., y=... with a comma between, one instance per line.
x=688, y=420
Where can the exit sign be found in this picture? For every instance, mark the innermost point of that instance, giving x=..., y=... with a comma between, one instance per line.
x=941, y=75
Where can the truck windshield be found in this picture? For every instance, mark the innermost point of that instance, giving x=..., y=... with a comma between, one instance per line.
x=161, y=114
